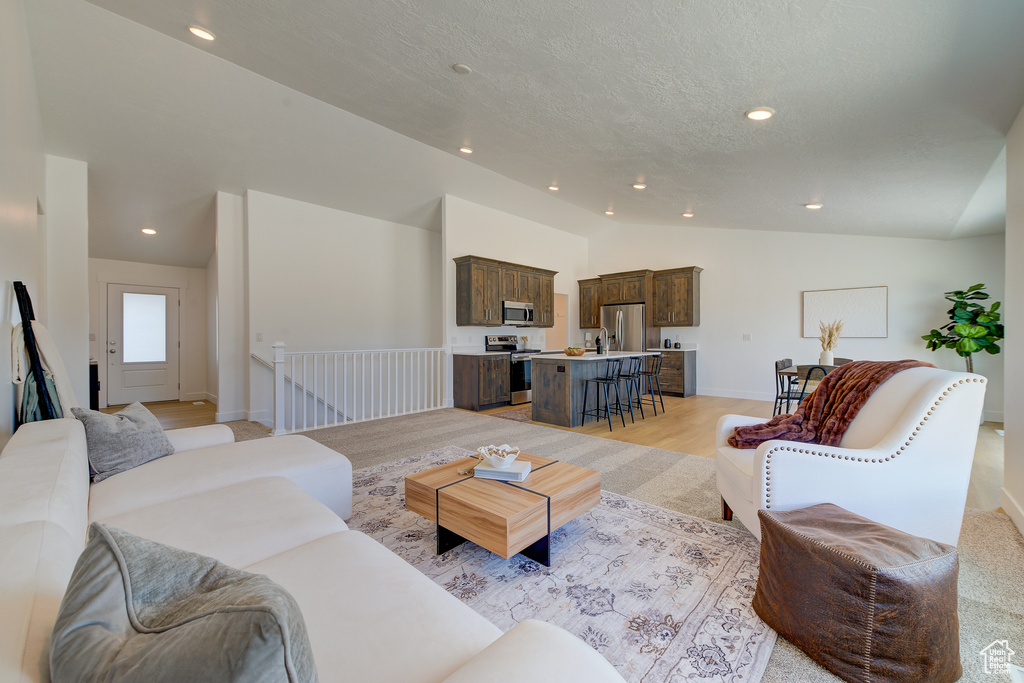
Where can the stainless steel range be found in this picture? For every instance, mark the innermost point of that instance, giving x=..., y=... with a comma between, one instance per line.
x=520, y=373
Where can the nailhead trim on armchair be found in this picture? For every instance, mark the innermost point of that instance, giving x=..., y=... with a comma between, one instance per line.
x=768, y=455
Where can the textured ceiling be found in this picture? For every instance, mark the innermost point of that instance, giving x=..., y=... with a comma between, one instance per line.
x=890, y=113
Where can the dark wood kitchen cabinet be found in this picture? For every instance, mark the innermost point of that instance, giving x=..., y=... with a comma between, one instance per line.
x=678, y=372
x=481, y=381
x=677, y=297
x=626, y=288
x=477, y=292
x=544, y=302
x=482, y=284
x=518, y=284
x=590, y=303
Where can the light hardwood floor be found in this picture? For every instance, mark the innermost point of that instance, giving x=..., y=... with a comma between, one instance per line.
x=687, y=426
x=177, y=414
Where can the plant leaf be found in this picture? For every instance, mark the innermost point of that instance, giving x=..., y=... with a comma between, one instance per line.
x=966, y=346
x=970, y=331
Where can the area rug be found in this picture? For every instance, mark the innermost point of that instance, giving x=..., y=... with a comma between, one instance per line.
x=662, y=595
x=520, y=414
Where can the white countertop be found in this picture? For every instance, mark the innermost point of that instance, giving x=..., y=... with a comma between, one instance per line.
x=589, y=357
x=481, y=353
x=684, y=347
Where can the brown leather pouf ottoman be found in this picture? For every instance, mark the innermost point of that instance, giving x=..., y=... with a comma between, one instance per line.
x=866, y=601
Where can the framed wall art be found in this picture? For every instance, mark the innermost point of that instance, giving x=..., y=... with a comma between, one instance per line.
x=863, y=310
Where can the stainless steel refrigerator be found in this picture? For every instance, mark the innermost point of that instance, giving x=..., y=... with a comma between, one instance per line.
x=627, y=328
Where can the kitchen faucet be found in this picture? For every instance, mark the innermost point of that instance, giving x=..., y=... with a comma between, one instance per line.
x=604, y=331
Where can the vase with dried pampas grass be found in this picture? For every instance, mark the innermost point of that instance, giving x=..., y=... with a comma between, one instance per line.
x=829, y=338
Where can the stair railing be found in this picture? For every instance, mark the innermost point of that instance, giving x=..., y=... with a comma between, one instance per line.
x=324, y=389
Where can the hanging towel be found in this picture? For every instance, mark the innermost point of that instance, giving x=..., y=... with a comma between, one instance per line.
x=52, y=365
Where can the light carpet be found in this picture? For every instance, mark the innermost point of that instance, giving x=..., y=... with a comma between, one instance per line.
x=662, y=595
x=991, y=587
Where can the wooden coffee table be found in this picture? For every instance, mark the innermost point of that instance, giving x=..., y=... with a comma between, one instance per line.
x=505, y=517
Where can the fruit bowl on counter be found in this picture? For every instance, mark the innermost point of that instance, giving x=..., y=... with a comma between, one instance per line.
x=574, y=351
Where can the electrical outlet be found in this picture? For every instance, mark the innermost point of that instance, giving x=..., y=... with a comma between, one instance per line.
x=746, y=336
x=679, y=337
x=455, y=340
x=92, y=337
x=259, y=336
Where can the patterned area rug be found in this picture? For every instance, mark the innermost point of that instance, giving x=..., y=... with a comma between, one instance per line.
x=520, y=414
x=662, y=595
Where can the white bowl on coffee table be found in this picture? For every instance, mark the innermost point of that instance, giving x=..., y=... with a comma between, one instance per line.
x=498, y=456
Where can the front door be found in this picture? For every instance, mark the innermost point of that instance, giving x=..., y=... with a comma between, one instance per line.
x=142, y=344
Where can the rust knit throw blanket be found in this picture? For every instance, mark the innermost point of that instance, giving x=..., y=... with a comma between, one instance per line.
x=825, y=414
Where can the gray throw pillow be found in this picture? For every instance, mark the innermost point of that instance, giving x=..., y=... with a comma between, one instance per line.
x=128, y=438
x=140, y=611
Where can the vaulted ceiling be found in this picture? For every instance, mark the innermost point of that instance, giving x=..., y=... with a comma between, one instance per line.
x=892, y=114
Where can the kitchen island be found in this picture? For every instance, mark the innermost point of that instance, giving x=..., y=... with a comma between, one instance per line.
x=558, y=383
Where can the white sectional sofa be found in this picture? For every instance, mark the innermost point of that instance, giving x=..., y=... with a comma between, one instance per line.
x=270, y=506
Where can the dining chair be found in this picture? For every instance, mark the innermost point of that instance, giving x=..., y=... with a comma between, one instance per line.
x=785, y=386
x=808, y=377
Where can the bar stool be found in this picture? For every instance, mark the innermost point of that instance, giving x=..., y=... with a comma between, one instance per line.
x=652, y=376
x=632, y=379
x=613, y=371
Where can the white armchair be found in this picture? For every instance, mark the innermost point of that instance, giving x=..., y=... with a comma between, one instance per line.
x=904, y=461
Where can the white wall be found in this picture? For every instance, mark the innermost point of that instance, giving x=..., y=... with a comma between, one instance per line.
x=320, y=279
x=191, y=283
x=232, y=352
x=22, y=185
x=66, y=298
x=1013, y=469
x=212, y=374
x=752, y=283
x=472, y=229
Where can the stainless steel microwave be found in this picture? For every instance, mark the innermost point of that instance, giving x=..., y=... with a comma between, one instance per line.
x=517, y=313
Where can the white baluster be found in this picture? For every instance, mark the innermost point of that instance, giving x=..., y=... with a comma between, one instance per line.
x=279, y=388
x=292, y=427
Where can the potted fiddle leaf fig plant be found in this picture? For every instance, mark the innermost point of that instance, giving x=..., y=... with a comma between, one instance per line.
x=971, y=327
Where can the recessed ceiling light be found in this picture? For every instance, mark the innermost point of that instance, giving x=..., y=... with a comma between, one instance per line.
x=201, y=32
x=609, y=212
x=149, y=231
x=466, y=150
x=687, y=215
x=813, y=206
x=760, y=114
x=553, y=188
x=461, y=69
x=639, y=186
